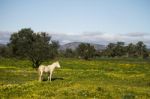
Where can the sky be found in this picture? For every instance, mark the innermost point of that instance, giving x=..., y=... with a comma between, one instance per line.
x=95, y=21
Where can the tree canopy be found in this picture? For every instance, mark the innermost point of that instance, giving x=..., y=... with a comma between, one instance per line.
x=34, y=46
x=86, y=51
x=131, y=50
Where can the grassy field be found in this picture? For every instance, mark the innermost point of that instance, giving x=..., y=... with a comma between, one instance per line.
x=77, y=79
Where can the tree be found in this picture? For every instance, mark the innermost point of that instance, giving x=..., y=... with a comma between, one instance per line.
x=115, y=49
x=34, y=46
x=110, y=50
x=86, y=51
x=5, y=51
x=69, y=53
x=131, y=50
x=119, y=49
x=140, y=48
x=54, y=49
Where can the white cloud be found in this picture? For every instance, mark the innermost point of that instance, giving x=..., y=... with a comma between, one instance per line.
x=103, y=38
x=91, y=37
x=137, y=34
x=4, y=37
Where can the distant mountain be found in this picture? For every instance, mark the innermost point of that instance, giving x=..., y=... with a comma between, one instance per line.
x=74, y=45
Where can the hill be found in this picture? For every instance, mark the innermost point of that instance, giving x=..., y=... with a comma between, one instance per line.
x=74, y=45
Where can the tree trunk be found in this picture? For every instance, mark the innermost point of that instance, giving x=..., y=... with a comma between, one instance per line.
x=36, y=64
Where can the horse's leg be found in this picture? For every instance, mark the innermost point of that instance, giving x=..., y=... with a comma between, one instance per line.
x=40, y=76
x=50, y=76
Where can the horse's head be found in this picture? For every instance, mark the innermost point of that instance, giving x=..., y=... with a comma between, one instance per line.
x=57, y=64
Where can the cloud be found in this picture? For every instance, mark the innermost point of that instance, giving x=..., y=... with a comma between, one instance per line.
x=103, y=38
x=137, y=34
x=91, y=37
x=4, y=37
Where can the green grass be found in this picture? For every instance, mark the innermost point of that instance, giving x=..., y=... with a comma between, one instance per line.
x=77, y=79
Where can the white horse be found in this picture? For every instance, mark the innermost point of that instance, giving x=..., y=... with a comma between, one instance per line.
x=47, y=69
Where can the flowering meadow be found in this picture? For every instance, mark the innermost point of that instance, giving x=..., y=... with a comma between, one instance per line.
x=77, y=79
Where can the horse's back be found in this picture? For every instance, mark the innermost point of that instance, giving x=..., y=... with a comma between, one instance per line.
x=43, y=68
